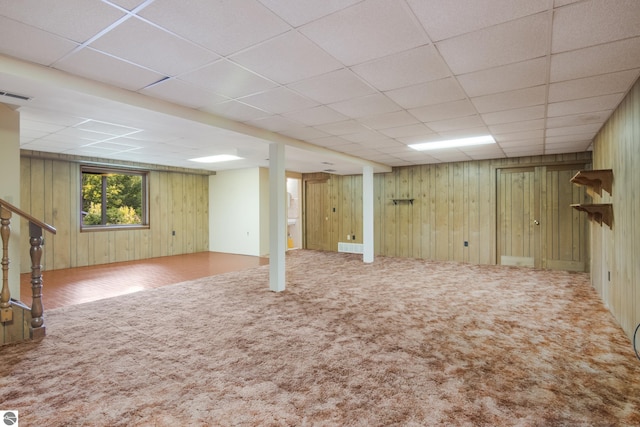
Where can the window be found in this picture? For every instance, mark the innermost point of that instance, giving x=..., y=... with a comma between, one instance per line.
x=113, y=198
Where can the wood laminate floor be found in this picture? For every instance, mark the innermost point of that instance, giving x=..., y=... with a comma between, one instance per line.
x=83, y=284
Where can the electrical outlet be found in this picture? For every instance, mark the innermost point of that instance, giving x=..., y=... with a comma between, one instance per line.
x=466, y=244
x=348, y=237
x=353, y=237
x=173, y=233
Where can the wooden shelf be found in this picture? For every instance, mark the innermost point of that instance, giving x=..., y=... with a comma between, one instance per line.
x=595, y=180
x=396, y=201
x=598, y=212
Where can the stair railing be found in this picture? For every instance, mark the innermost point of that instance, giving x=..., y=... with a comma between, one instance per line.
x=37, y=329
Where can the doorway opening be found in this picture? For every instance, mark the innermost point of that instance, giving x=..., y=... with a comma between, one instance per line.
x=294, y=221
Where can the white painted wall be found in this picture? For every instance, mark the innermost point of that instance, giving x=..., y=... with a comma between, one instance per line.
x=238, y=213
x=10, y=189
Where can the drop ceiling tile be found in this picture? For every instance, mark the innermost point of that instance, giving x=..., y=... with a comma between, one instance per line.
x=51, y=117
x=304, y=133
x=594, y=22
x=514, y=41
x=534, y=150
x=236, y=111
x=105, y=128
x=76, y=20
x=593, y=86
x=279, y=100
x=128, y=4
x=514, y=145
x=507, y=77
x=316, y=115
x=435, y=92
x=229, y=79
x=448, y=19
x=182, y=93
x=98, y=66
x=447, y=156
x=368, y=30
x=517, y=126
x=447, y=110
x=389, y=120
x=153, y=48
x=602, y=59
x=569, y=146
x=519, y=136
x=574, y=130
x=274, y=123
x=32, y=44
x=567, y=139
x=224, y=27
x=510, y=100
x=364, y=106
x=32, y=125
x=366, y=137
x=456, y=124
x=299, y=12
x=346, y=127
x=287, y=58
x=579, y=119
x=332, y=87
x=419, y=65
x=409, y=130
x=585, y=105
x=330, y=141
x=515, y=115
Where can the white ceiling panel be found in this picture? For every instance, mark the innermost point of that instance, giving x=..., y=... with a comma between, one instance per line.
x=408, y=130
x=98, y=66
x=419, y=65
x=224, y=26
x=578, y=119
x=368, y=30
x=365, y=106
x=299, y=12
x=127, y=4
x=457, y=123
x=515, y=115
x=447, y=110
x=332, y=87
x=514, y=41
x=389, y=120
x=304, y=133
x=435, y=92
x=593, y=86
x=585, y=105
x=510, y=100
x=346, y=127
x=76, y=20
x=274, y=123
x=569, y=139
x=591, y=61
x=236, y=111
x=34, y=45
x=180, y=92
x=594, y=22
x=228, y=79
x=508, y=77
x=153, y=48
x=279, y=100
x=316, y=115
x=287, y=58
x=516, y=126
x=520, y=136
x=574, y=130
x=452, y=18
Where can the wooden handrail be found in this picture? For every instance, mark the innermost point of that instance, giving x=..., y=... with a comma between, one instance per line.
x=8, y=206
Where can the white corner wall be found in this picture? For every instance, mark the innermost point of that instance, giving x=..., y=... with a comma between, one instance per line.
x=10, y=188
x=237, y=212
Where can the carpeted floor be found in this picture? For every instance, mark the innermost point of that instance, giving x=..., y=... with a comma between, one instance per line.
x=398, y=342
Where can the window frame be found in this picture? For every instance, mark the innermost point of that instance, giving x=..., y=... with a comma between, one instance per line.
x=144, y=174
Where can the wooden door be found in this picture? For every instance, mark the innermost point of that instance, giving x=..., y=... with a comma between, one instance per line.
x=316, y=215
x=517, y=205
x=536, y=225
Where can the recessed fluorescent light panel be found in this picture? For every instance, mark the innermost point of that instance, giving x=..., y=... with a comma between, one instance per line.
x=216, y=159
x=453, y=143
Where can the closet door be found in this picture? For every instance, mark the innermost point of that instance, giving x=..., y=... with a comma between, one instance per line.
x=316, y=215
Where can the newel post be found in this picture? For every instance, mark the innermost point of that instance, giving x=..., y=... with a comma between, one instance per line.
x=36, y=241
x=6, y=314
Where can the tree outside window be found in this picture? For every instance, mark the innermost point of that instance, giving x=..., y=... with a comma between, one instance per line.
x=113, y=198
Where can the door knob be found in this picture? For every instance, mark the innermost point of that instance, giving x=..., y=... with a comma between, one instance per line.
x=536, y=222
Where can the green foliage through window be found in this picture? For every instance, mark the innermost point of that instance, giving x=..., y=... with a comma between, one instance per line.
x=112, y=197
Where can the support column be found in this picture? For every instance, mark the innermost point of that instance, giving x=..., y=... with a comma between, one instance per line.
x=367, y=213
x=277, y=218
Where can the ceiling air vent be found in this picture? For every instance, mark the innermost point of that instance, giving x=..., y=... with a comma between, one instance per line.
x=14, y=95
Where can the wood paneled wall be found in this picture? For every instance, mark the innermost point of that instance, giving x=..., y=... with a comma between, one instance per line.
x=453, y=203
x=50, y=191
x=616, y=252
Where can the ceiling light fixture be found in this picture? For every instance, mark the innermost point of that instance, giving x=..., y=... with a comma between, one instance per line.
x=216, y=159
x=452, y=143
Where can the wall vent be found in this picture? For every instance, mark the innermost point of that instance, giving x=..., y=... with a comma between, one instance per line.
x=351, y=248
x=14, y=95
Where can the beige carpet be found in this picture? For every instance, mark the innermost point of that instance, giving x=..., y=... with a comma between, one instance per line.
x=399, y=342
